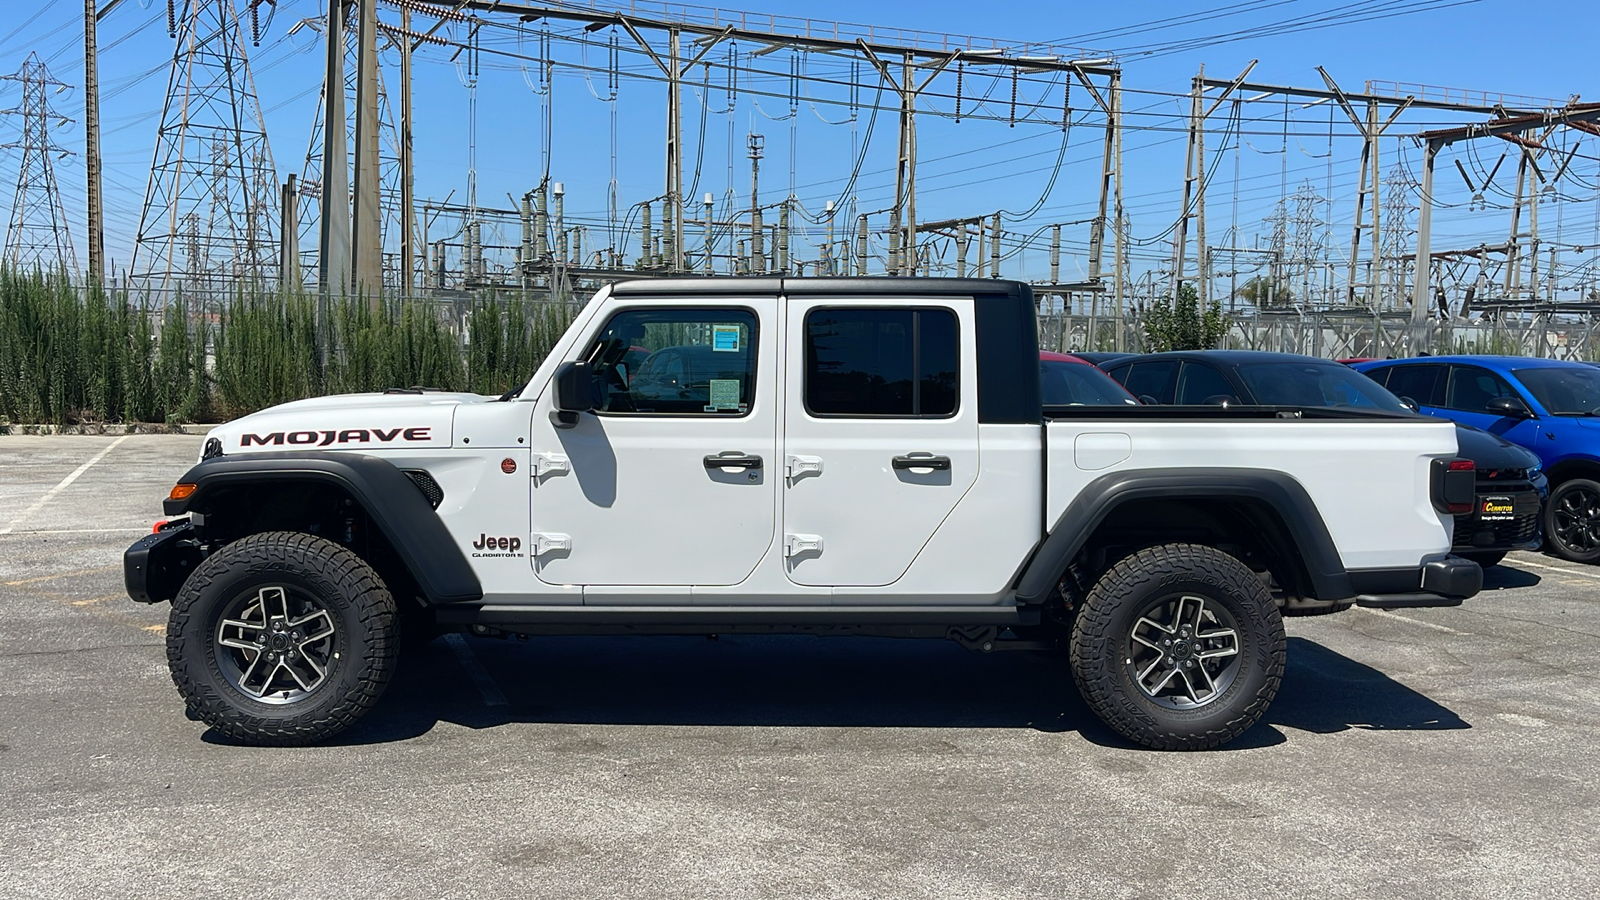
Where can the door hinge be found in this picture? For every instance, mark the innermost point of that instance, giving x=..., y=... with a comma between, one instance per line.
x=796, y=544
x=550, y=463
x=801, y=466
x=547, y=543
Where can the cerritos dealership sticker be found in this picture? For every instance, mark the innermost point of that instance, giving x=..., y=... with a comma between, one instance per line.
x=508, y=465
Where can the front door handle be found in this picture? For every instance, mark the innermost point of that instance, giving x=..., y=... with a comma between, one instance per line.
x=733, y=459
x=922, y=461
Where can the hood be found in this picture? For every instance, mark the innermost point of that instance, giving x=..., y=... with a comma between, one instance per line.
x=347, y=422
x=1488, y=451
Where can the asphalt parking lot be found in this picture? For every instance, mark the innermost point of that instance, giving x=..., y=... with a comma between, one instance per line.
x=1410, y=753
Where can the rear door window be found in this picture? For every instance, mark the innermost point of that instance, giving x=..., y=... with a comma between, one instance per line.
x=1421, y=383
x=1471, y=388
x=882, y=362
x=1200, y=384
x=1152, y=378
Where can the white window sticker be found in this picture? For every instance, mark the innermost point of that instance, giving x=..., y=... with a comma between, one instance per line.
x=724, y=394
x=725, y=338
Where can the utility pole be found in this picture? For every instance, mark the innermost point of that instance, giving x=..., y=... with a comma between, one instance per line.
x=91, y=141
x=1194, y=182
x=1367, y=187
x=758, y=262
x=37, y=234
x=407, y=171
x=366, y=236
x=1119, y=227
x=333, y=240
x=674, y=69
x=672, y=223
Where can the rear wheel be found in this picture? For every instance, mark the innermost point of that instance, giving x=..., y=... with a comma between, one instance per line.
x=281, y=638
x=1179, y=647
x=1572, y=520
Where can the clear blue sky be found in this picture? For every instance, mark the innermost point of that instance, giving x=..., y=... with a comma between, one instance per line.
x=967, y=169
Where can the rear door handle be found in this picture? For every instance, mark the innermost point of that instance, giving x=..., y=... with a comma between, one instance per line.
x=733, y=459
x=922, y=461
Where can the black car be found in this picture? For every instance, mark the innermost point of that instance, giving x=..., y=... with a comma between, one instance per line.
x=1103, y=358
x=1511, y=486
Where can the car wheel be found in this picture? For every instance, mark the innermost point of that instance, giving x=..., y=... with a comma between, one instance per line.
x=281, y=638
x=1572, y=520
x=1178, y=647
x=1485, y=558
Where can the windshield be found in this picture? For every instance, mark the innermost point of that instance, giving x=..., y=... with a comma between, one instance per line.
x=1064, y=383
x=1316, y=384
x=1564, y=390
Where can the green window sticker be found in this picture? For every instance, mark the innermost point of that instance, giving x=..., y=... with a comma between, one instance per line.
x=725, y=338
x=724, y=394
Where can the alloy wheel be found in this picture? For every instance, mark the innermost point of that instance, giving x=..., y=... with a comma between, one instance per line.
x=277, y=644
x=1183, y=652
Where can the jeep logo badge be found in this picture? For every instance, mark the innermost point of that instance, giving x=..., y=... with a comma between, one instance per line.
x=490, y=547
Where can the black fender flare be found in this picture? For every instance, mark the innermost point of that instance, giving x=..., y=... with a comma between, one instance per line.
x=1307, y=533
x=389, y=498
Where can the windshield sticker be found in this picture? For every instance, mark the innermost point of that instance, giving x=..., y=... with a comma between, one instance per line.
x=724, y=395
x=725, y=338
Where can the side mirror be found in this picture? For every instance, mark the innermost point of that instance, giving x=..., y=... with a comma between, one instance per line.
x=1509, y=406
x=574, y=386
x=1410, y=404
x=1148, y=400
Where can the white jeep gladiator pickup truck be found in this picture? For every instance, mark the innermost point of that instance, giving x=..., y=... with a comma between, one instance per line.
x=777, y=455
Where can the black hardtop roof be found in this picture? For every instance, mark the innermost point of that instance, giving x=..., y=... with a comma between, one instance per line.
x=1226, y=357
x=885, y=286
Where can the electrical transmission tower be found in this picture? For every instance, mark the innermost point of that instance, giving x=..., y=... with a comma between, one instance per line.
x=1307, y=244
x=37, y=234
x=211, y=207
x=1394, y=244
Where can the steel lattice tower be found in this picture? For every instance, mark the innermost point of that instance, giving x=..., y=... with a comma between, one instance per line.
x=211, y=207
x=37, y=233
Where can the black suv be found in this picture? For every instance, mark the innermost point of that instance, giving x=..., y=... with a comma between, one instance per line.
x=1510, y=486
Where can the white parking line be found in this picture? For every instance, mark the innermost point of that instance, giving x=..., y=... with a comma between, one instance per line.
x=1389, y=615
x=65, y=483
x=1523, y=562
x=134, y=529
x=475, y=670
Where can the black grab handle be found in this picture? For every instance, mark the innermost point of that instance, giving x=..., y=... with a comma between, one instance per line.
x=939, y=463
x=741, y=461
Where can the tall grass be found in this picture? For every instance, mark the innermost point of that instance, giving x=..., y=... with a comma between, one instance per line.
x=72, y=356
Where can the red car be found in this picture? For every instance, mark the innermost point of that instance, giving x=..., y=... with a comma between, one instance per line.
x=1066, y=380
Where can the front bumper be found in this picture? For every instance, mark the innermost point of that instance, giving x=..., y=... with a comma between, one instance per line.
x=156, y=566
x=1442, y=582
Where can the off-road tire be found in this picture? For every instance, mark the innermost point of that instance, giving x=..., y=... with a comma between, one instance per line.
x=359, y=653
x=1484, y=558
x=1142, y=584
x=1568, y=536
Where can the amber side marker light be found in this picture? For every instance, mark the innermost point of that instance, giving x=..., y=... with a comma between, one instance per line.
x=181, y=491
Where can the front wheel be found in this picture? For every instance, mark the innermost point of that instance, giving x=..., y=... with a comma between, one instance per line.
x=1178, y=647
x=1572, y=520
x=281, y=638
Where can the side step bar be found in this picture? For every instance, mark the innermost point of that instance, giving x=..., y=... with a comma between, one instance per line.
x=886, y=621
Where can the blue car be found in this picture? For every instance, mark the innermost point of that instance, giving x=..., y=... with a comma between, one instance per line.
x=1551, y=407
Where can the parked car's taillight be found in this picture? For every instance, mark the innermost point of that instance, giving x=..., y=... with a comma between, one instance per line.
x=1454, y=486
